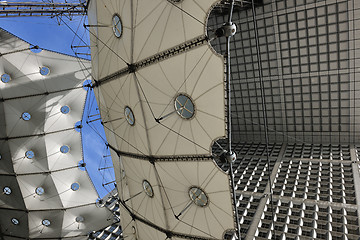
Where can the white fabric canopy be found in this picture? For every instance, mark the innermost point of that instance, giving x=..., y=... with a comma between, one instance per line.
x=171, y=207
x=160, y=89
x=148, y=27
x=210, y=221
x=151, y=91
x=41, y=147
x=197, y=74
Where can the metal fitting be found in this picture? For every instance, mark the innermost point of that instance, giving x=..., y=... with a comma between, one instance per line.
x=231, y=157
x=229, y=29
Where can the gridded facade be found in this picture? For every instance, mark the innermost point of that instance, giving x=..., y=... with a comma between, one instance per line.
x=114, y=231
x=308, y=221
x=324, y=181
x=315, y=191
x=310, y=65
x=310, y=68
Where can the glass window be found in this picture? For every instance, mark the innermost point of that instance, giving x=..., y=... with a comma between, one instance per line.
x=184, y=106
x=39, y=191
x=117, y=26
x=46, y=222
x=65, y=109
x=115, y=208
x=64, y=149
x=7, y=190
x=148, y=188
x=26, y=116
x=129, y=115
x=118, y=232
x=5, y=78
x=75, y=186
x=44, y=71
x=30, y=154
x=104, y=236
x=113, y=237
x=198, y=196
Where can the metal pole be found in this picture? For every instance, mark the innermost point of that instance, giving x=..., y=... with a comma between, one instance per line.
x=229, y=30
x=228, y=93
x=234, y=201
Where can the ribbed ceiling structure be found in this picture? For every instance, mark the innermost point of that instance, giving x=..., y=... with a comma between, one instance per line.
x=46, y=192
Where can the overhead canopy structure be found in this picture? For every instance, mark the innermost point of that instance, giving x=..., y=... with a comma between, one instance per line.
x=160, y=89
x=46, y=194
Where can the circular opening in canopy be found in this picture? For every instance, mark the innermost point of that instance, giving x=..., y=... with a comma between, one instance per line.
x=7, y=190
x=148, y=188
x=30, y=154
x=5, y=78
x=44, y=71
x=65, y=109
x=64, y=149
x=198, y=196
x=184, y=106
x=39, y=191
x=129, y=115
x=79, y=219
x=15, y=221
x=46, y=222
x=117, y=26
x=26, y=116
x=75, y=186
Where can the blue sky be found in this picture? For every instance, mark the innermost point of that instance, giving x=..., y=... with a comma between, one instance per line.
x=48, y=34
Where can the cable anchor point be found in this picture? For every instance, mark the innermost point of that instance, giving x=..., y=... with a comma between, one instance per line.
x=230, y=156
x=226, y=30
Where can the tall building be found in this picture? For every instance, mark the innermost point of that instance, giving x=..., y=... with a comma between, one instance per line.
x=309, y=62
